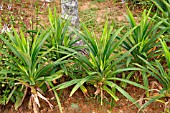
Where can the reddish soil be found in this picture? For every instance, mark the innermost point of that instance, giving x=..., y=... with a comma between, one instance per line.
x=78, y=103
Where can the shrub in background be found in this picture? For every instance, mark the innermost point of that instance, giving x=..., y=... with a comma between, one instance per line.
x=145, y=34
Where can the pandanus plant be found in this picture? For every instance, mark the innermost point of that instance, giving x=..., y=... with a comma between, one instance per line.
x=102, y=64
x=161, y=73
x=60, y=35
x=29, y=67
x=164, y=12
x=145, y=34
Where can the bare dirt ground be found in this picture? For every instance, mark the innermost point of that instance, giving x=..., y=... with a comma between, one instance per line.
x=80, y=104
x=99, y=12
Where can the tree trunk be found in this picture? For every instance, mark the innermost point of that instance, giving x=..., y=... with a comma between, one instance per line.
x=69, y=10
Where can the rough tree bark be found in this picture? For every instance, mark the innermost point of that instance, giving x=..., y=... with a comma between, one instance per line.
x=69, y=10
